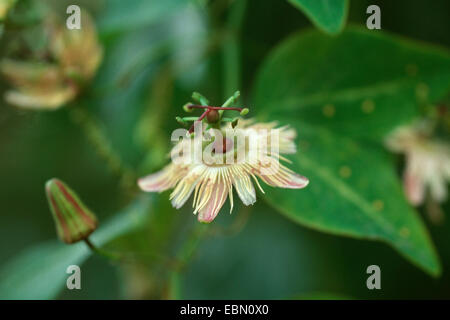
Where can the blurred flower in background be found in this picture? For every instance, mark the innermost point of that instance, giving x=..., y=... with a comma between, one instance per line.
x=5, y=5
x=71, y=59
x=427, y=163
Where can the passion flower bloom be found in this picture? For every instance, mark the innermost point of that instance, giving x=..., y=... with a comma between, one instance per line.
x=427, y=164
x=74, y=56
x=212, y=180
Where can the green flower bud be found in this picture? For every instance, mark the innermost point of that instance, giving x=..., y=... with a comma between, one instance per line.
x=74, y=221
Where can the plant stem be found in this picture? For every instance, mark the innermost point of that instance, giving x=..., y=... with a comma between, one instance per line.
x=106, y=254
x=96, y=136
x=193, y=241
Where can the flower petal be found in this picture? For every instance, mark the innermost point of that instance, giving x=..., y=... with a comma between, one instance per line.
x=214, y=204
x=38, y=86
x=414, y=188
x=244, y=186
x=438, y=188
x=162, y=180
x=186, y=186
x=277, y=175
x=49, y=100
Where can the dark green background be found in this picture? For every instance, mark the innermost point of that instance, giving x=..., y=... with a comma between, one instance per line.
x=271, y=257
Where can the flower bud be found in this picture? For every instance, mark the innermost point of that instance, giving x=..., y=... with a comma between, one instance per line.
x=74, y=221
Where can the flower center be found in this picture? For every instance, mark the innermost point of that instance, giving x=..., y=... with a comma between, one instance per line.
x=224, y=146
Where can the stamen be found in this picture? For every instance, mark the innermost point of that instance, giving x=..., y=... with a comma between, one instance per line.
x=213, y=114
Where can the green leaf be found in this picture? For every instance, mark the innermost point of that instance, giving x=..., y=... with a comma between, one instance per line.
x=40, y=271
x=328, y=15
x=354, y=189
x=361, y=83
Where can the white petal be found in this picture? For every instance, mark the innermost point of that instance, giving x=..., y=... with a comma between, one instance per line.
x=185, y=187
x=244, y=187
x=209, y=212
x=161, y=180
x=414, y=188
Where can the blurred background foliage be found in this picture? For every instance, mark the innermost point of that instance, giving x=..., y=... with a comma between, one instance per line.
x=155, y=53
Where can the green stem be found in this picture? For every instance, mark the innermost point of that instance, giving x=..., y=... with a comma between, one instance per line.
x=106, y=254
x=188, y=250
x=96, y=136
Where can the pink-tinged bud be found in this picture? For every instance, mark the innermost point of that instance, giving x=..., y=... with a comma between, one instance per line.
x=74, y=221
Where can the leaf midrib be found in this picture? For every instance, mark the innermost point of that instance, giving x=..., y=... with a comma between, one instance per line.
x=344, y=95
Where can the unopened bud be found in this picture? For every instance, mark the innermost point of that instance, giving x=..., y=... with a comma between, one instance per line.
x=74, y=221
